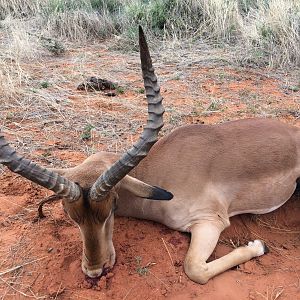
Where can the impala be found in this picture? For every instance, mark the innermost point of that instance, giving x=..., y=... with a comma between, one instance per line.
x=213, y=171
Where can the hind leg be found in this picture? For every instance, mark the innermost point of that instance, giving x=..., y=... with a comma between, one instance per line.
x=203, y=241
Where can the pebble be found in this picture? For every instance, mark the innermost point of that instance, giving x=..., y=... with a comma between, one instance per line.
x=110, y=275
x=102, y=283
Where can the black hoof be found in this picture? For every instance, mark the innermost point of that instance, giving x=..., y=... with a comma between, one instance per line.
x=266, y=248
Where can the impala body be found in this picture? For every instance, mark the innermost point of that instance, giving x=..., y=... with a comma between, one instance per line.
x=246, y=166
x=213, y=172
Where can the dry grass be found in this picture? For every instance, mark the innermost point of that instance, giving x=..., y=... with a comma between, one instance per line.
x=273, y=31
x=272, y=293
x=261, y=31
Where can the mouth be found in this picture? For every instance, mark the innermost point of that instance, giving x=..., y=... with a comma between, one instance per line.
x=97, y=275
x=96, y=281
x=93, y=281
x=96, y=272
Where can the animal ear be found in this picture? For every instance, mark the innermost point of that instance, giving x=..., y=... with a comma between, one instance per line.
x=144, y=190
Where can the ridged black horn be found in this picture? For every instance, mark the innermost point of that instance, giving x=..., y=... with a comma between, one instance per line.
x=149, y=136
x=26, y=168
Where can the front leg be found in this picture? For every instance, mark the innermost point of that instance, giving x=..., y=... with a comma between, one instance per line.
x=203, y=241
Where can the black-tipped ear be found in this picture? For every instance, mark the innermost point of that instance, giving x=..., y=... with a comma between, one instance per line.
x=266, y=248
x=144, y=190
x=160, y=194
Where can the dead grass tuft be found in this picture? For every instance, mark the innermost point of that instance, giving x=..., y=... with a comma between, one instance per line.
x=260, y=32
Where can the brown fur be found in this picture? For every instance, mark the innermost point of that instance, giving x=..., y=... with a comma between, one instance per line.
x=214, y=172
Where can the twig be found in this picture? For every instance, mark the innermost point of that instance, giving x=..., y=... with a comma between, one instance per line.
x=58, y=291
x=129, y=291
x=167, y=287
x=180, y=277
x=20, y=266
x=20, y=292
x=232, y=243
x=278, y=229
x=278, y=293
x=172, y=262
x=35, y=279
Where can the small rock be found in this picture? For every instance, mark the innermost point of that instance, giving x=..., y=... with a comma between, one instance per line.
x=86, y=285
x=102, y=283
x=110, y=275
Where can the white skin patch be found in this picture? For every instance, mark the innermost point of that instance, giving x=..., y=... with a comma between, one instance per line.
x=258, y=245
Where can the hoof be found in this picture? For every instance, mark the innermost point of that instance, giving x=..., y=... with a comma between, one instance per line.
x=260, y=247
x=266, y=248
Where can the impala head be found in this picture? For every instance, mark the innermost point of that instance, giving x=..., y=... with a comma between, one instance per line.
x=95, y=220
x=90, y=199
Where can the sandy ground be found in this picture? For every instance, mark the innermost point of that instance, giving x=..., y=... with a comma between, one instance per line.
x=48, y=124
